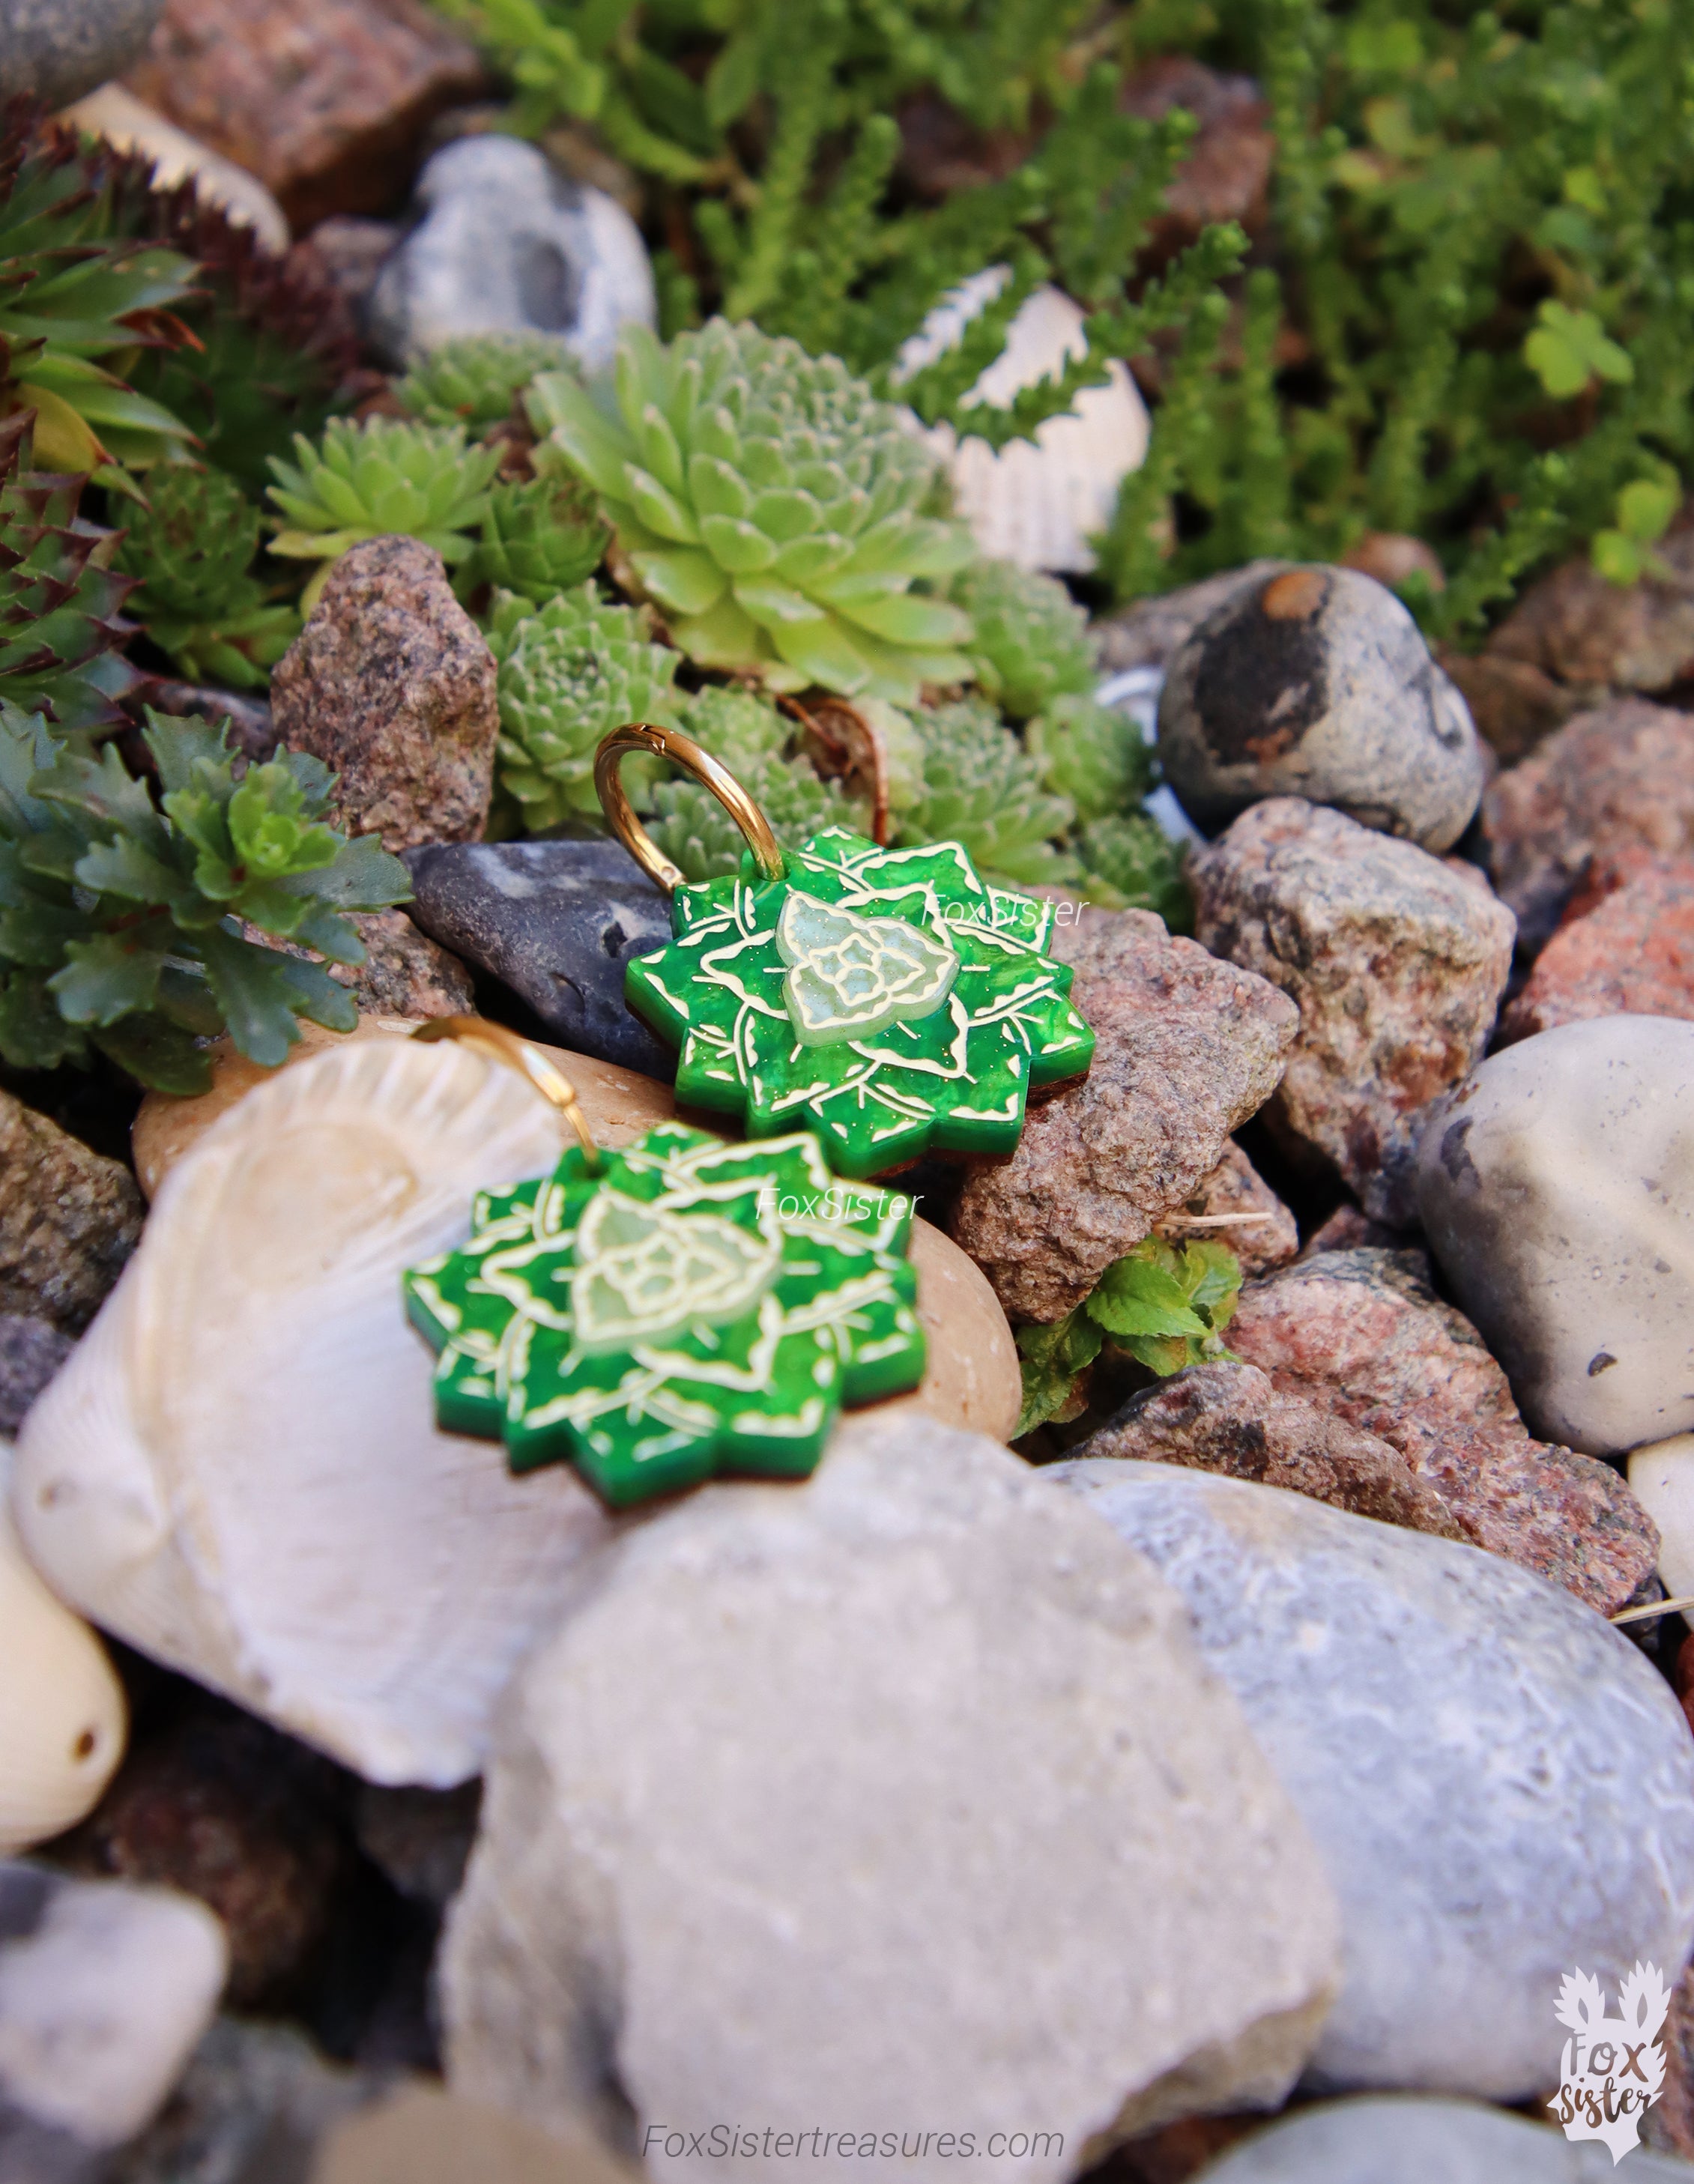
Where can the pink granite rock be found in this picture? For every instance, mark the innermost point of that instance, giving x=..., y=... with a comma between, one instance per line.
x=1397, y=960
x=1629, y=952
x=1186, y=1049
x=1235, y=1205
x=1361, y=1334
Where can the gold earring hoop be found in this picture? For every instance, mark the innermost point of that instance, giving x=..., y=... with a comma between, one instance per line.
x=683, y=751
x=531, y=1063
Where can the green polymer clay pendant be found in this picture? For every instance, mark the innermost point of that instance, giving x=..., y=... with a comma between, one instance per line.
x=685, y=1308
x=890, y=1001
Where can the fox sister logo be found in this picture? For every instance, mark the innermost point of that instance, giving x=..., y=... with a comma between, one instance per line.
x=1613, y=2069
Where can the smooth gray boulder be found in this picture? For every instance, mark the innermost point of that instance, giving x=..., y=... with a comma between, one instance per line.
x=1422, y=2142
x=505, y=244
x=1557, y=1190
x=1315, y=682
x=898, y=1800
x=1500, y=1785
x=58, y=49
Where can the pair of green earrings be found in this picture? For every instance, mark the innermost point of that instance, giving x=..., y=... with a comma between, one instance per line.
x=685, y=1306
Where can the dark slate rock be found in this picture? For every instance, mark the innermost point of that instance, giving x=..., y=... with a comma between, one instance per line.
x=31, y=1351
x=556, y=922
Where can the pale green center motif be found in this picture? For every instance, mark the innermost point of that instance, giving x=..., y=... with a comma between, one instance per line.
x=850, y=976
x=644, y=1273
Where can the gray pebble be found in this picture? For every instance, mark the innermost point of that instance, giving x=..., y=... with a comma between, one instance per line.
x=59, y=49
x=506, y=245
x=1413, y=2141
x=31, y=1351
x=557, y=923
x=1315, y=682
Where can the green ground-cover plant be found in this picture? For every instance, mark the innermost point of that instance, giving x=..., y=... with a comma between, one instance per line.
x=121, y=921
x=190, y=548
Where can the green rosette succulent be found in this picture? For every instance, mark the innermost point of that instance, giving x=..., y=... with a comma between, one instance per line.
x=474, y=380
x=737, y=726
x=1031, y=644
x=750, y=737
x=1093, y=753
x=1129, y=863
x=382, y=478
x=569, y=672
x=982, y=788
x=191, y=550
x=539, y=538
x=773, y=507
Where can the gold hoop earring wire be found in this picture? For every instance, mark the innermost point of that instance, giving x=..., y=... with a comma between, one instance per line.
x=683, y=751
x=531, y=1063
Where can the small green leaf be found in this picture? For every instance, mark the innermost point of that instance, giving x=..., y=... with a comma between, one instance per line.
x=1053, y=1359
x=1568, y=348
x=113, y=975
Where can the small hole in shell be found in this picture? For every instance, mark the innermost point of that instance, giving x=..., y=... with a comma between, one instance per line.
x=86, y=1746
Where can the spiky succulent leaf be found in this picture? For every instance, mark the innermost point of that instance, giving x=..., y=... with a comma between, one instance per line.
x=473, y=380
x=539, y=538
x=191, y=550
x=1032, y=643
x=773, y=507
x=61, y=623
x=1129, y=863
x=380, y=478
x=121, y=923
x=569, y=672
x=981, y=788
x=72, y=293
x=1093, y=753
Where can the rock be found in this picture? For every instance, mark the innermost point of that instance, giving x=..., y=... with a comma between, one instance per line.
x=1347, y=1228
x=1412, y=2140
x=1361, y=1335
x=1408, y=1692
x=254, y=2102
x=1608, y=781
x=1662, y=1479
x=391, y=685
x=404, y=973
x=557, y=923
x=56, y=50
x=1630, y=954
x=324, y=100
x=1235, y=1205
x=350, y=251
x=1224, y=174
x=972, y=1375
x=1317, y=683
x=1557, y=1192
x=123, y=121
x=68, y=1220
x=951, y=1829
x=421, y=1839
x=424, y=2135
x=223, y=1809
x=618, y=1104
x=104, y=1991
x=1185, y=1049
x=31, y=1351
x=1397, y=961
x=506, y=245
x=1670, y=2125
x=1394, y=558
x=1515, y=706
x=1582, y=629
x=1149, y=632
x=1035, y=502
x=1228, y=1419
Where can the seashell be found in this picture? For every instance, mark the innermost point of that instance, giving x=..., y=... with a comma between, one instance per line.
x=1035, y=501
x=239, y=1470
x=63, y=1719
x=620, y=1103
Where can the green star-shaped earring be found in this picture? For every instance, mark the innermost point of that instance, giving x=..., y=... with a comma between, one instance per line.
x=890, y=1001
x=679, y=1308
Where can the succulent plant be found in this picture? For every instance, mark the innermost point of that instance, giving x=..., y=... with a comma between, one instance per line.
x=71, y=293
x=749, y=736
x=1129, y=864
x=738, y=726
x=61, y=625
x=981, y=788
x=475, y=380
x=1093, y=753
x=539, y=538
x=383, y=477
x=121, y=928
x=190, y=550
x=773, y=508
x=570, y=671
x=1031, y=644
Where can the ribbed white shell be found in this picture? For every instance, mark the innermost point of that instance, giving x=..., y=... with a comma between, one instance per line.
x=62, y=1714
x=238, y=1470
